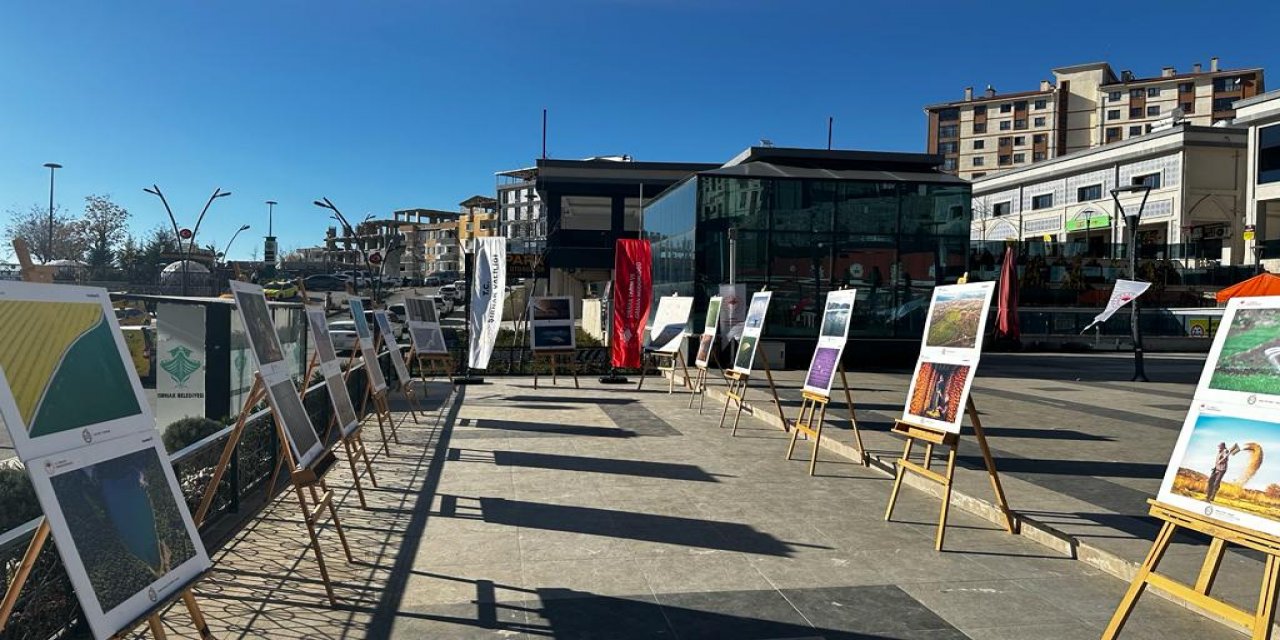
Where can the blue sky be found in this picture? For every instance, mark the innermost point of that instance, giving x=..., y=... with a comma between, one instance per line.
x=382, y=104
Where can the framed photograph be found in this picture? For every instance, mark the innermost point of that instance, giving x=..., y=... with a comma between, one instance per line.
x=669, y=323
x=260, y=329
x=288, y=409
x=427, y=339
x=832, y=337
x=121, y=526
x=938, y=394
x=374, y=367
x=958, y=317
x=320, y=335
x=340, y=399
x=1243, y=365
x=389, y=339
x=553, y=338
x=551, y=308
x=710, y=324
x=363, y=331
x=421, y=310
x=58, y=342
x=551, y=324
x=752, y=329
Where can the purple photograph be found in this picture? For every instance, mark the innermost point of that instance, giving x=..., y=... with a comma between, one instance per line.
x=821, y=369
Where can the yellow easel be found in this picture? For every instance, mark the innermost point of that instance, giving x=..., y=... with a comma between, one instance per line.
x=352, y=444
x=406, y=386
x=671, y=359
x=699, y=386
x=382, y=411
x=738, y=391
x=553, y=358
x=931, y=437
x=437, y=364
x=813, y=414
x=1258, y=622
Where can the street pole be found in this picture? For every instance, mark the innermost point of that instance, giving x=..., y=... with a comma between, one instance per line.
x=227, y=249
x=269, y=249
x=1131, y=222
x=48, y=249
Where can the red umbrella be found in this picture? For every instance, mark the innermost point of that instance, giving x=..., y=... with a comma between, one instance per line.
x=1007, y=311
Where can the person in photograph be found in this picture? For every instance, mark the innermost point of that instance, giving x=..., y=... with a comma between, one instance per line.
x=1220, y=463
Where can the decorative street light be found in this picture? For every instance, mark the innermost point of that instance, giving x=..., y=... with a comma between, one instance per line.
x=233, y=239
x=324, y=203
x=48, y=249
x=217, y=193
x=1131, y=221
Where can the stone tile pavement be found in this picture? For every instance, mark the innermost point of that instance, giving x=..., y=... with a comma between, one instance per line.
x=610, y=513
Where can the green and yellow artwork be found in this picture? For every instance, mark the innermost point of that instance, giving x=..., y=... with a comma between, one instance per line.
x=1250, y=357
x=63, y=365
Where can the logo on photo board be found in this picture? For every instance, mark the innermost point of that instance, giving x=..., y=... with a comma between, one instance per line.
x=86, y=436
x=180, y=366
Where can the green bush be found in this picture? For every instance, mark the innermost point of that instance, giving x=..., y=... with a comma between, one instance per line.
x=18, y=502
x=183, y=432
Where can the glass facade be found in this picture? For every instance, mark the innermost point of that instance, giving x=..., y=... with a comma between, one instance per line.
x=894, y=241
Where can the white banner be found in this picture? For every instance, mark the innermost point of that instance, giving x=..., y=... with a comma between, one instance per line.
x=1124, y=293
x=181, y=365
x=488, y=287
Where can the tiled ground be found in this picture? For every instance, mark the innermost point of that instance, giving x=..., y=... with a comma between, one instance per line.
x=609, y=513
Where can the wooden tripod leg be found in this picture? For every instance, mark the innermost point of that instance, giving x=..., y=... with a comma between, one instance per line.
x=817, y=438
x=742, y=398
x=853, y=421
x=1209, y=569
x=255, y=395
x=29, y=558
x=991, y=466
x=337, y=524
x=536, y=361
x=684, y=366
x=197, y=616
x=156, y=627
x=309, y=520
x=364, y=455
x=573, y=368
x=671, y=382
x=928, y=454
x=355, y=473
x=946, y=497
x=1139, y=583
x=386, y=409
x=897, y=480
x=728, y=398
x=702, y=374
x=642, y=371
x=1266, y=613
x=795, y=433
x=275, y=473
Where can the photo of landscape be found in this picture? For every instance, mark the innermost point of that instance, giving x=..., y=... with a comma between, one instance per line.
x=746, y=353
x=551, y=309
x=1250, y=357
x=320, y=334
x=340, y=397
x=552, y=337
x=955, y=318
x=126, y=523
x=713, y=315
x=421, y=310
x=428, y=339
x=938, y=391
x=284, y=399
x=704, y=349
x=835, y=319
x=260, y=327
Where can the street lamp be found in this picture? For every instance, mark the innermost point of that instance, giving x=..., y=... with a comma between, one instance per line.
x=233, y=239
x=177, y=233
x=1131, y=221
x=48, y=249
x=325, y=203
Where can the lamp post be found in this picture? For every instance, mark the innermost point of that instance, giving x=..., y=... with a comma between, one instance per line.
x=177, y=233
x=324, y=203
x=1131, y=222
x=48, y=249
x=233, y=239
x=269, y=243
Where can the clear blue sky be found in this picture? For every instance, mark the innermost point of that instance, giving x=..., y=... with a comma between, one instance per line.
x=382, y=104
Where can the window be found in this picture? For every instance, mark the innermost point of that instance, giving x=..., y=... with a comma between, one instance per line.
x=1038, y=122
x=1186, y=87
x=1020, y=105
x=980, y=110
x=979, y=127
x=1223, y=104
x=979, y=175
x=1006, y=107
x=1005, y=125
x=1037, y=156
x=1153, y=92
x=1151, y=180
x=949, y=164
x=1187, y=107
x=948, y=131
x=1137, y=93
x=1041, y=103
x=1018, y=141
x=1001, y=208
x=1020, y=123
x=1269, y=154
x=1135, y=112
x=1153, y=110
x=1043, y=201
x=1114, y=96
x=948, y=115
x=1006, y=141
x=1226, y=84
x=1004, y=160
x=1019, y=157
x=1113, y=114
x=1091, y=192
x=978, y=161
x=1113, y=133
x=944, y=147
x=1135, y=130
x=979, y=144
x=1039, y=138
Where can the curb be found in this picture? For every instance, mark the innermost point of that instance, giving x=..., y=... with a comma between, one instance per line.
x=1028, y=527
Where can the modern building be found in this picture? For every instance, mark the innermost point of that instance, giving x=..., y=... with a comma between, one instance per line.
x=478, y=218
x=807, y=221
x=1260, y=117
x=522, y=218
x=1085, y=106
x=431, y=242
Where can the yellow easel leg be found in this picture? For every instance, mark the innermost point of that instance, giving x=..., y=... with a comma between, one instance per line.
x=1139, y=583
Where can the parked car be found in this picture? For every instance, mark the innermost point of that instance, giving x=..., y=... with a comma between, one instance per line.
x=344, y=336
x=460, y=290
x=280, y=290
x=325, y=282
x=444, y=306
x=356, y=278
x=448, y=291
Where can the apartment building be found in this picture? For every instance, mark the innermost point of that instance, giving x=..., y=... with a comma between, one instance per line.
x=1084, y=106
x=478, y=218
x=431, y=241
x=521, y=214
x=1260, y=116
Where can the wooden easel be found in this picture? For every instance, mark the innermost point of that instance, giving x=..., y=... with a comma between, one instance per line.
x=738, y=391
x=699, y=386
x=553, y=358
x=406, y=386
x=657, y=357
x=32, y=272
x=353, y=444
x=813, y=403
x=308, y=478
x=931, y=437
x=382, y=411
x=1258, y=622
x=438, y=364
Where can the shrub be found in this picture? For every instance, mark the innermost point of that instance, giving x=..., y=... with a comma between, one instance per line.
x=18, y=502
x=183, y=432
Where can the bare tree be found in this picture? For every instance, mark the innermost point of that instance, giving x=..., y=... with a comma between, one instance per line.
x=32, y=225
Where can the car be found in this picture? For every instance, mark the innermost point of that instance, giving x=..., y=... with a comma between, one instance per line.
x=444, y=306
x=448, y=291
x=344, y=336
x=460, y=290
x=432, y=281
x=280, y=290
x=356, y=278
x=325, y=282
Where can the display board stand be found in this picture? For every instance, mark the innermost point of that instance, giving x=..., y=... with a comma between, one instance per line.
x=41, y=274
x=657, y=358
x=931, y=437
x=699, y=386
x=438, y=364
x=738, y=391
x=1258, y=622
x=382, y=411
x=308, y=478
x=352, y=444
x=813, y=414
x=406, y=386
x=553, y=358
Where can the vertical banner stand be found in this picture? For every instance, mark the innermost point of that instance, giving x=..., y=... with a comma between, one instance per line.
x=738, y=391
x=671, y=359
x=352, y=444
x=301, y=478
x=699, y=386
x=381, y=409
x=32, y=272
x=950, y=440
x=553, y=359
x=1258, y=623
x=813, y=413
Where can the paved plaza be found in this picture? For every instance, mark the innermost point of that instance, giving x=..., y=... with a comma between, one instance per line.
x=603, y=512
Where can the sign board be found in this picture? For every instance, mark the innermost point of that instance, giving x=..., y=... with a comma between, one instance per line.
x=752, y=329
x=424, y=326
x=831, y=341
x=709, y=328
x=551, y=324
x=670, y=322
x=181, y=362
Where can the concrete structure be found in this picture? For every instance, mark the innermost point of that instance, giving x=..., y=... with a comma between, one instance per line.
x=478, y=218
x=522, y=217
x=1260, y=116
x=1194, y=210
x=431, y=241
x=1085, y=106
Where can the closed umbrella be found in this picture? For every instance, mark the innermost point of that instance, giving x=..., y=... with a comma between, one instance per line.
x=1007, y=311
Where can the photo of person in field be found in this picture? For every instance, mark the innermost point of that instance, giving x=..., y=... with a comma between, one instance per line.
x=1224, y=464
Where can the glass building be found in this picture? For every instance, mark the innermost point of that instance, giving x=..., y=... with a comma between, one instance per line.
x=808, y=221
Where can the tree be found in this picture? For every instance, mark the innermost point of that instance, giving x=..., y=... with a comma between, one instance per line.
x=104, y=227
x=32, y=225
x=140, y=259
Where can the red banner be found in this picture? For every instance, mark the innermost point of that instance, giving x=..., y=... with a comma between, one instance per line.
x=632, y=294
